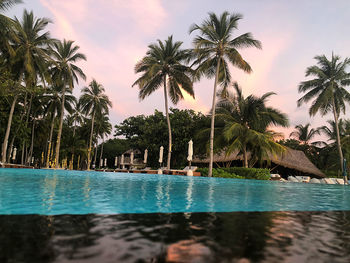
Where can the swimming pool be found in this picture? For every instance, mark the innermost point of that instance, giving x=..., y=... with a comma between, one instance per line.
x=70, y=216
x=54, y=192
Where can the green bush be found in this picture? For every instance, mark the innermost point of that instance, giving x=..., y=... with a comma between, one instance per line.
x=238, y=172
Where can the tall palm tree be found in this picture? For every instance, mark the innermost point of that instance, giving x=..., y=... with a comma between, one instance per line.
x=164, y=66
x=215, y=48
x=53, y=100
x=304, y=134
x=65, y=73
x=327, y=90
x=31, y=56
x=246, y=123
x=93, y=101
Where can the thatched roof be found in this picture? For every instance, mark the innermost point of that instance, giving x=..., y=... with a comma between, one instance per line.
x=291, y=158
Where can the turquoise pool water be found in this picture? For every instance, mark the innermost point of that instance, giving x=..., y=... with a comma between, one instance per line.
x=50, y=192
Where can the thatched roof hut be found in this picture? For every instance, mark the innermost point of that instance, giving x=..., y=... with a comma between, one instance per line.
x=292, y=159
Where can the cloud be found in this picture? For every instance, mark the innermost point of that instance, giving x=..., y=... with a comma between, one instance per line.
x=112, y=35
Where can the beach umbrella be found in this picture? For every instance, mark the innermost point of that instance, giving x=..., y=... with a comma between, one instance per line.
x=189, y=157
x=132, y=158
x=190, y=151
x=116, y=161
x=122, y=161
x=161, y=149
x=145, y=156
x=14, y=153
x=101, y=162
x=105, y=162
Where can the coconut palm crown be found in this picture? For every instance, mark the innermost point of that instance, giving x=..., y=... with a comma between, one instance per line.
x=327, y=90
x=215, y=49
x=304, y=134
x=164, y=65
x=246, y=122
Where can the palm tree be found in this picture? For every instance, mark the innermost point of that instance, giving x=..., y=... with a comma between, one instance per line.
x=327, y=90
x=53, y=100
x=6, y=4
x=5, y=24
x=331, y=131
x=164, y=65
x=30, y=59
x=246, y=121
x=304, y=134
x=76, y=117
x=93, y=101
x=65, y=73
x=215, y=49
x=104, y=128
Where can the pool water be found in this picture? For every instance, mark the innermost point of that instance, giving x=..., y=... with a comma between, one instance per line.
x=70, y=216
x=54, y=192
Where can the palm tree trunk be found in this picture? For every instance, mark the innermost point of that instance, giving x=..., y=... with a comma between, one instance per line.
x=245, y=157
x=58, y=143
x=210, y=172
x=90, y=142
x=7, y=134
x=338, y=135
x=14, y=137
x=103, y=140
x=50, y=140
x=168, y=121
x=22, y=154
x=95, y=157
x=32, y=142
x=26, y=125
x=74, y=127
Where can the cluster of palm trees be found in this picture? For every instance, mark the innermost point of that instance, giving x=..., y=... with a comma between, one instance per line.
x=243, y=124
x=327, y=91
x=214, y=50
x=38, y=76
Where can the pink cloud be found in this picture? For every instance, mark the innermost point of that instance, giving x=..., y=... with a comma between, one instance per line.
x=112, y=63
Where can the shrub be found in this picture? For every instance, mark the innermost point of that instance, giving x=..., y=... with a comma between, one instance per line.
x=238, y=172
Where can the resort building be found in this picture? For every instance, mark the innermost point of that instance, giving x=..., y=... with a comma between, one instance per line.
x=291, y=162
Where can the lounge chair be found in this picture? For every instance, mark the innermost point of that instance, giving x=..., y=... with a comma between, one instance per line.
x=193, y=168
x=293, y=179
x=315, y=181
x=303, y=179
x=329, y=181
x=340, y=181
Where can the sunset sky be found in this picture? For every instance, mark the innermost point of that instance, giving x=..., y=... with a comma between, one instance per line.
x=114, y=35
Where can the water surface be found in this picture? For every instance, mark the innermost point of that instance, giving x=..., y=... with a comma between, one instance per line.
x=50, y=192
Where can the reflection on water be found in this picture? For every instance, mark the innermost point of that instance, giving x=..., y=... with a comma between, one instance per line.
x=179, y=237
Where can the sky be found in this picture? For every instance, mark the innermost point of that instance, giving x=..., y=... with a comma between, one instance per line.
x=115, y=34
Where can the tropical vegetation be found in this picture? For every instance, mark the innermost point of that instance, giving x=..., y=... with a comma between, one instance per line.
x=214, y=50
x=38, y=74
x=327, y=90
x=164, y=66
x=43, y=123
